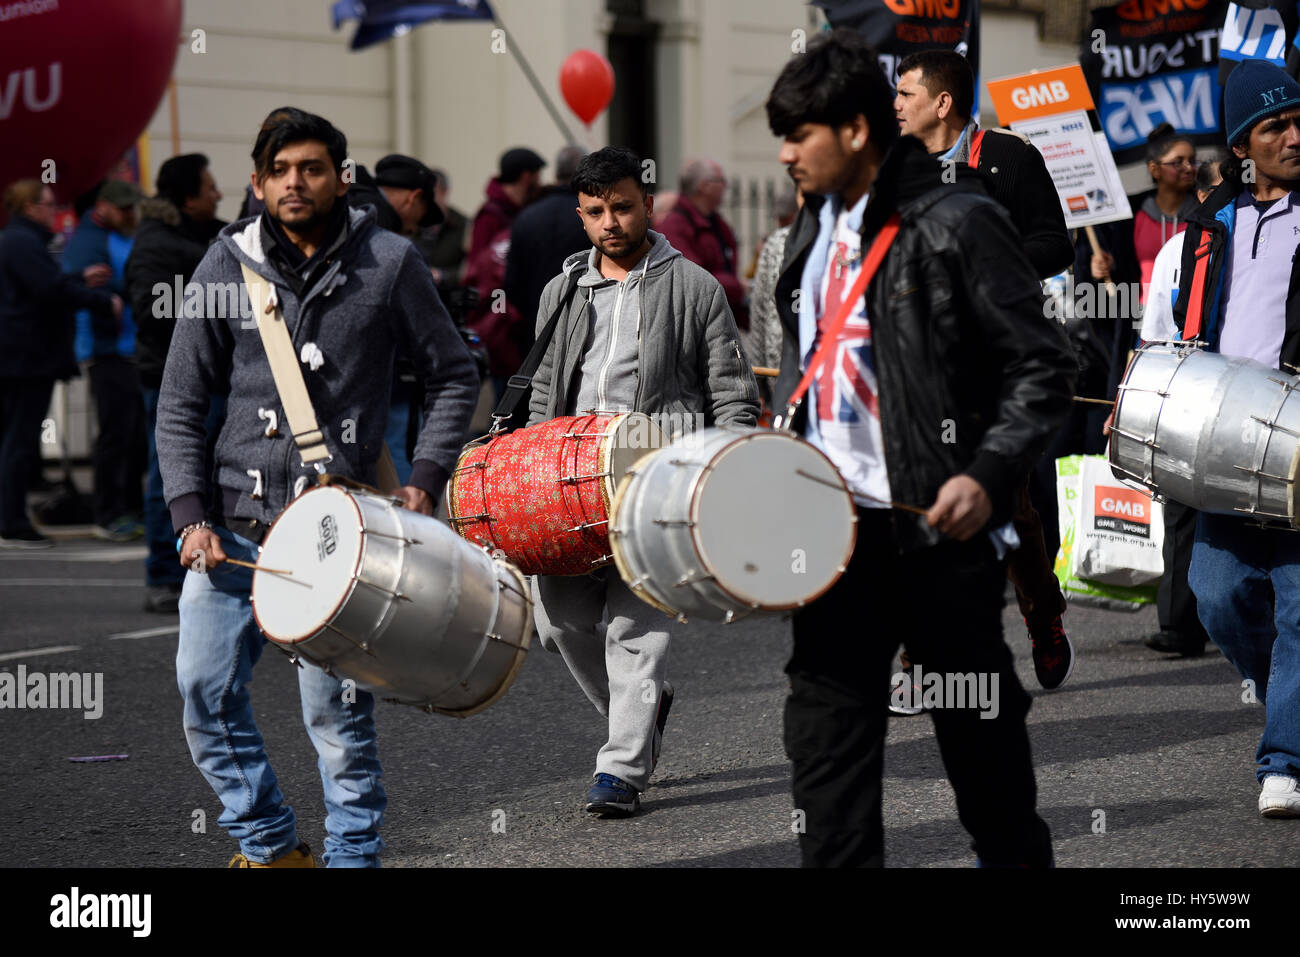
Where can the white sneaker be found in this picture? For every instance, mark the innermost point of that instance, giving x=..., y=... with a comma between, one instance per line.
x=1280, y=796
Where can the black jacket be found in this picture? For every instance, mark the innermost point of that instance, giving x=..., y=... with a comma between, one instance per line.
x=167, y=245
x=959, y=333
x=1018, y=178
x=364, y=192
x=545, y=233
x=37, y=301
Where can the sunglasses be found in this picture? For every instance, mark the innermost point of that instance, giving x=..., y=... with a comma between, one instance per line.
x=1180, y=163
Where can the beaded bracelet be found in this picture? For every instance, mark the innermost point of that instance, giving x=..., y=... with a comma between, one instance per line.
x=185, y=532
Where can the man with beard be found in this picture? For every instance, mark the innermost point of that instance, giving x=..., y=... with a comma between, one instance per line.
x=635, y=300
x=350, y=295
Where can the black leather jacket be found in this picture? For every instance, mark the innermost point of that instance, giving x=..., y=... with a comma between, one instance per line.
x=973, y=375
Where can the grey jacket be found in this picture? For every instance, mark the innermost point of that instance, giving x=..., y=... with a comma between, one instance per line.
x=375, y=296
x=690, y=359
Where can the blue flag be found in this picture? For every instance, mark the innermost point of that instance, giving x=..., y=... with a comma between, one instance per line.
x=381, y=20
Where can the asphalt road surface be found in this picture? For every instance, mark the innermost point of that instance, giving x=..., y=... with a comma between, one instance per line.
x=1142, y=760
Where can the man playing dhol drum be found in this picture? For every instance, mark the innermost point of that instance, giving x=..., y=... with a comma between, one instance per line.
x=350, y=294
x=1239, y=293
x=943, y=382
x=646, y=331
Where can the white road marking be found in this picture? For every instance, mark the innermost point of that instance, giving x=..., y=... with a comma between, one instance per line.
x=132, y=554
x=37, y=652
x=69, y=582
x=147, y=633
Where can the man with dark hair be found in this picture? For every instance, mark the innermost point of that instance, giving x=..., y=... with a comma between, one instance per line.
x=944, y=380
x=36, y=330
x=1239, y=294
x=176, y=227
x=350, y=295
x=541, y=239
x=645, y=330
x=514, y=187
x=695, y=227
x=107, y=345
x=933, y=103
x=408, y=185
x=445, y=245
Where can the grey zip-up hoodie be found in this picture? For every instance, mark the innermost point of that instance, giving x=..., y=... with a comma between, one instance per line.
x=375, y=296
x=675, y=346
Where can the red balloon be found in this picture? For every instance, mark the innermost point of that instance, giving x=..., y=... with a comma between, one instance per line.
x=587, y=82
x=79, y=83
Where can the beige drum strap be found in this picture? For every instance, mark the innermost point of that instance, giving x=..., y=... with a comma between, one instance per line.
x=289, y=382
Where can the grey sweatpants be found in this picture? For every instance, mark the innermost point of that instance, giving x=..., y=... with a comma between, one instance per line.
x=616, y=646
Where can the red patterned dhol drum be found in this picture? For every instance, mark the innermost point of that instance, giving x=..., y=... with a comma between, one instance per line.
x=541, y=495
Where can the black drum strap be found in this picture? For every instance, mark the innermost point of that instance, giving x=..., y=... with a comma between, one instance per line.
x=521, y=381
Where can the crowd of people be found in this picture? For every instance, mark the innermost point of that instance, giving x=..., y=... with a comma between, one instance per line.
x=933, y=282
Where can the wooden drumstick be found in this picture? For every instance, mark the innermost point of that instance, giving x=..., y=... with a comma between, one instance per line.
x=899, y=505
x=1110, y=402
x=264, y=568
x=766, y=371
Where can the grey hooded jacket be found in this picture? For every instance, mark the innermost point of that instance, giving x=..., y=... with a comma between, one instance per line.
x=689, y=357
x=375, y=296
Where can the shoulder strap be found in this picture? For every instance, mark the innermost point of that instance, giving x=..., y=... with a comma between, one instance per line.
x=284, y=369
x=521, y=381
x=830, y=335
x=976, y=144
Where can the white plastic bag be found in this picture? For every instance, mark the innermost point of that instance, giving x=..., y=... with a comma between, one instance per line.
x=1121, y=532
x=1074, y=531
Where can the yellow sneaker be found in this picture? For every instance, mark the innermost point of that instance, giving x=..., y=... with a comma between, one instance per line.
x=299, y=857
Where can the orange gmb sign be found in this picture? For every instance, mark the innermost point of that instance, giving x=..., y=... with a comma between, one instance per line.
x=1041, y=93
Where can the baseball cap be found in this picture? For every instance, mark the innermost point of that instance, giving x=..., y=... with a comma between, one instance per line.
x=120, y=193
x=406, y=172
x=516, y=162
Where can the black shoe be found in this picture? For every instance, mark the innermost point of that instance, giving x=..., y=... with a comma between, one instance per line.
x=1053, y=655
x=661, y=721
x=25, y=538
x=1173, y=643
x=163, y=599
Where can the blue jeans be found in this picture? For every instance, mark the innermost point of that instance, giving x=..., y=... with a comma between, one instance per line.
x=1247, y=585
x=399, y=414
x=219, y=645
x=160, y=565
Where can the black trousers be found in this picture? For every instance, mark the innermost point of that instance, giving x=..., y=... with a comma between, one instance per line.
x=945, y=602
x=1175, y=603
x=121, y=453
x=23, y=404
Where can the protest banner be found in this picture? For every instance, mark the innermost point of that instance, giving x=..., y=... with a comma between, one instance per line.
x=1152, y=61
x=1050, y=108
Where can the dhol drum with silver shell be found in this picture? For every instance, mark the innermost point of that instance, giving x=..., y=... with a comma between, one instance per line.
x=1218, y=433
x=392, y=599
x=727, y=522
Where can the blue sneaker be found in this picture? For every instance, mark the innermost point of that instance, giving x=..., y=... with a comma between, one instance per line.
x=612, y=797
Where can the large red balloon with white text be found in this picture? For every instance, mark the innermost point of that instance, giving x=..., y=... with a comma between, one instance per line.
x=79, y=82
x=587, y=82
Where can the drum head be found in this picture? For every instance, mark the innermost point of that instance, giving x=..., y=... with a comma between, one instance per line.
x=318, y=540
x=774, y=523
x=629, y=437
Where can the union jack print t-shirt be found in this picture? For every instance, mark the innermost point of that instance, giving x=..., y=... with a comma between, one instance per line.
x=844, y=397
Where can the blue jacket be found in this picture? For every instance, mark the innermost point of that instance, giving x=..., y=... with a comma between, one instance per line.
x=1198, y=306
x=36, y=305
x=97, y=332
